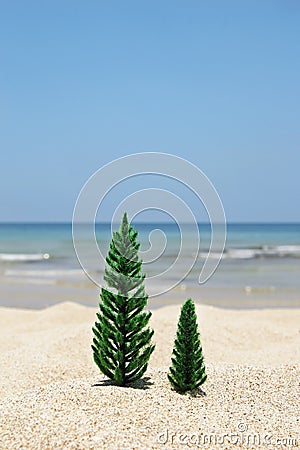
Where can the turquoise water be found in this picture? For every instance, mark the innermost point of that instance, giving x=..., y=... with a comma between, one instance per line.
x=261, y=263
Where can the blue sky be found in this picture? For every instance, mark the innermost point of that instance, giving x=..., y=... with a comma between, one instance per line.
x=85, y=82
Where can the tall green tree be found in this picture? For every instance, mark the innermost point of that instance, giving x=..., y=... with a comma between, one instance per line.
x=187, y=371
x=122, y=343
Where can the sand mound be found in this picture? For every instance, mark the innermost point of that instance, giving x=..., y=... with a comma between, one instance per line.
x=52, y=395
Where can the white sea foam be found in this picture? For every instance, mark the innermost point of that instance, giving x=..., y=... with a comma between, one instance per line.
x=21, y=280
x=44, y=273
x=246, y=253
x=288, y=250
x=276, y=251
x=279, y=251
x=23, y=257
x=213, y=255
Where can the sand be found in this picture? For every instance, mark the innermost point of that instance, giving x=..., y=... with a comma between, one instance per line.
x=53, y=396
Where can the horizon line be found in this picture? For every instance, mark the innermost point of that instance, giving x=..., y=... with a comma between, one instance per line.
x=251, y=222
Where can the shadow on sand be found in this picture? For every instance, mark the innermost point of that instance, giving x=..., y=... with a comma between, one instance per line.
x=143, y=383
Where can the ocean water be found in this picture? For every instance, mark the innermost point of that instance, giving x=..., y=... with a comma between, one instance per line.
x=260, y=266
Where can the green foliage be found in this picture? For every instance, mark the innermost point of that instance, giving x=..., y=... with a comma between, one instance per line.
x=121, y=345
x=188, y=370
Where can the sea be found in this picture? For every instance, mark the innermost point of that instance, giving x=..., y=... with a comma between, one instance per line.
x=40, y=265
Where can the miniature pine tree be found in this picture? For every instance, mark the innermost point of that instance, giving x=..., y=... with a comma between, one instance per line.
x=187, y=371
x=121, y=346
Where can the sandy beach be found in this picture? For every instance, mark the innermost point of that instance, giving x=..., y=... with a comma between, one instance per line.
x=53, y=396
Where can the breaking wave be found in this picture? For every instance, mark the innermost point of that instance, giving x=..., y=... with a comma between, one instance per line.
x=23, y=257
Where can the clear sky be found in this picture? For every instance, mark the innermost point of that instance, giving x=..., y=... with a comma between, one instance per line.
x=85, y=82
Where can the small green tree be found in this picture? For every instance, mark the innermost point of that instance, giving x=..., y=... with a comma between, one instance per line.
x=187, y=371
x=121, y=346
